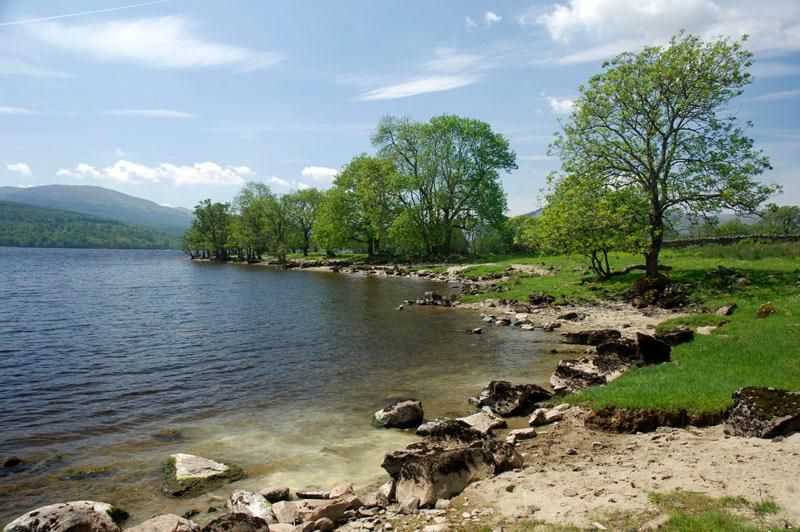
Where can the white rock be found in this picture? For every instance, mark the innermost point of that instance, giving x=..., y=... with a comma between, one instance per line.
x=251, y=503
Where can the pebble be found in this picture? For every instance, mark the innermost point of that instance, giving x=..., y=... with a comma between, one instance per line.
x=572, y=451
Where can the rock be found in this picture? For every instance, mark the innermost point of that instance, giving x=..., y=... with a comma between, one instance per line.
x=430, y=471
x=477, y=330
x=502, y=322
x=449, y=429
x=652, y=350
x=595, y=337
x=12, y=462
x=333, y=509
x=551, y=326
x=76, y=516
x=509, y=399
x=250, y=503
x=323, y=524
x=189, y=475
x=623, y=348
x=635, y=420
x=387, y=490
x=285, y=511
x=402, y=414
x=484, y=422
x=541, y=298
x=275, y=494
x=573, y=375
x=313, y=494
x=341, y=490
x=442, y=504
x=679, y=335
x=766, y=310
x=523, y=434
x=763, y=413
x=552, y=416
x=410, y=506
x=572, y=316
x=572, y=451
x=283, y=527
x=237, y=522
x=375, y=499
x=538, y=417
x=165, y=523
x=656, y=523
x=726, y=310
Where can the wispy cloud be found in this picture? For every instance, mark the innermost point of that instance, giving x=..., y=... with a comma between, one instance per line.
x=419, y=86
x=319, y=173
x=18, y=111
x=470, y=23
x=776, y=96
x=119, y=152
x=490, y=17
x=20, y=168
x=162, y=42
x=150, y=113
x=81, y=13
x=123, y=171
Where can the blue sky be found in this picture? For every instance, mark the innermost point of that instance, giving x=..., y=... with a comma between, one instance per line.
x=180, y=100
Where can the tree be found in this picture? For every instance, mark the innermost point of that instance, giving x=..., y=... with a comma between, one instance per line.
x=251, y=203
x=447, y=175
x=303, y=206
x=360, y=207
x=211, y=227
x=784, y=220
x=278, y=225
x=656, y=124
x=585, y=217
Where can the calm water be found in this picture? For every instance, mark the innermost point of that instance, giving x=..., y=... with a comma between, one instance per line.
x=102, y=351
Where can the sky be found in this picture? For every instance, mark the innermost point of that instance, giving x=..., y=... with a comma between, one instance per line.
x=180, y=100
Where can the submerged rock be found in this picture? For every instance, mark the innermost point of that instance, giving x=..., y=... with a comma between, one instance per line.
x=763, y=413
x=403, y=414
x=188, y=475
x=429, y=471
x=250, y=503
x=507, y=399
x=165, y=523
x=89, y=516
x=237, y=522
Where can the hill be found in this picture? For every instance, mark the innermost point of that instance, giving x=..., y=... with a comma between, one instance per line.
x=23, y=225
x=103, y=202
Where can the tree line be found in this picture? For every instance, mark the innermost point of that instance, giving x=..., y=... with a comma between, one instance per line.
x=651, y=139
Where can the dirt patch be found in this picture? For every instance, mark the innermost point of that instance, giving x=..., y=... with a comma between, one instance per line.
x=633, y=420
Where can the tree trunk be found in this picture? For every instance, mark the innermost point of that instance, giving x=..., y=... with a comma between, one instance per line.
x=656, y=238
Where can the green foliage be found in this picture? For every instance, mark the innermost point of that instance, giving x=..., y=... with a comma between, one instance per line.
x=777, y=220
x=303, y=208
x=211, y=228
x=655, y=123
x=587, y=217
x=31, y=226
x=447, y=176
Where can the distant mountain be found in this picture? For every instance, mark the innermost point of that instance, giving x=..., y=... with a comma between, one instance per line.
x=103, y=202
x=25, y=225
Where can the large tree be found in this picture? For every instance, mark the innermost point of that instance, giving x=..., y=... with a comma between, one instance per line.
x=211, y=227
x=447, y=174
x=251, y=203
x=659, y=123
x=361, y=205
x=303, y=208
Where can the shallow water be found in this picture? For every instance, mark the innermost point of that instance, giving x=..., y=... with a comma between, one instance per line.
x=276, y=371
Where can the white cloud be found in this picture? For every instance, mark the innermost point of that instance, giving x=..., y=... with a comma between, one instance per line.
x=20, y=168
x=601, y=28
x=490, y=17
x=151, y=113
x=470, y=24
x=562, y=106
x=450, y=61
x=164, y=42
x=534, y=158
x=119, y=152
x=278, y=181
x=123, y=171
x=773, y=69
x=18, y=111
x=420, y=86
x=319, y=173
x=302, y=186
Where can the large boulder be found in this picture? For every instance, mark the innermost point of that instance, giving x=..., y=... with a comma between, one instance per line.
x=165, y=523
x=652, y=350
x=449, y=430
x=484, y=422
x=427, y=471
x=188, y=475
x=311, y=510
x=250, y=503
x=402, y=415
x=509, y=399
x=593, y=337
x=763, y=413
x=76, y=516
x=237, y=522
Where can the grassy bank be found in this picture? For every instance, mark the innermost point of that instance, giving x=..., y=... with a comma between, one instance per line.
x=746, y=351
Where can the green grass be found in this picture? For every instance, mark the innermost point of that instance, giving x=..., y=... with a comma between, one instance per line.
x=746, y=351
x=317, y=256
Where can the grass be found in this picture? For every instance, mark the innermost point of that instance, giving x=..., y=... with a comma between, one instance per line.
x=746, y=351
x=685, y=511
